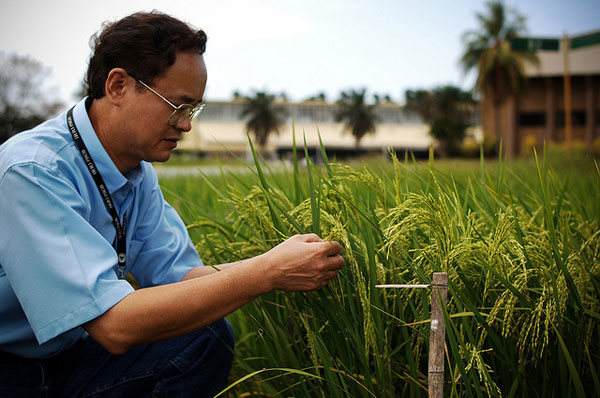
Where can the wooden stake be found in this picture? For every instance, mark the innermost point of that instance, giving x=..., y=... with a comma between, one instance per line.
x=437, y=336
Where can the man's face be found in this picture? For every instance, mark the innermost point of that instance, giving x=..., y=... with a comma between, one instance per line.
x=148, y=134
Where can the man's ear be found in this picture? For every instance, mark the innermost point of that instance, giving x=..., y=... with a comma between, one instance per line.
x=115, y=86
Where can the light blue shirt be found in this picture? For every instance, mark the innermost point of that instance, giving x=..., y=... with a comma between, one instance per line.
x=57, y=260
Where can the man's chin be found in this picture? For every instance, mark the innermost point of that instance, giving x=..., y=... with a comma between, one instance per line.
x=160, y=158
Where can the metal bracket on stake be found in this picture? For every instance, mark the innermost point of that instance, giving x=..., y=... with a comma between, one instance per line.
x=437, y=335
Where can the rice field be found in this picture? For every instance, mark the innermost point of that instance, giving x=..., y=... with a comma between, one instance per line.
x=520, y=241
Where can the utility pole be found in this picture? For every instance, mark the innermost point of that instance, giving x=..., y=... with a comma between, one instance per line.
x=566, y=44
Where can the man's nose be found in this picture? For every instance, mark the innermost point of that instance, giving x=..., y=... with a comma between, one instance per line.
x=185, y=125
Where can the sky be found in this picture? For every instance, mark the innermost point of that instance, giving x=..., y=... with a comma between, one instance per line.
x=300, y=48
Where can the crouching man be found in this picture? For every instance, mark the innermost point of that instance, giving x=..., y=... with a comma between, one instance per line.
x=80, y=208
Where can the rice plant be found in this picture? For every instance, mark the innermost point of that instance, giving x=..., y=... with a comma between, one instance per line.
x=520, y=242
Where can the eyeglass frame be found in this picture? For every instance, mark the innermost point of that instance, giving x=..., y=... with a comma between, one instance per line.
x=193, y=110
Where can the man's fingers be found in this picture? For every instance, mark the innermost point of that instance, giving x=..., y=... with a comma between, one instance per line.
x=327, y=277
x=306, y=262
x=332, y=248
x=333, y=264
x=311, y=238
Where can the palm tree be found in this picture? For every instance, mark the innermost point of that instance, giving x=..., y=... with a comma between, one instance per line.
x=359, y=117
x=500, y=68
x=263, y=117
x=383, y=98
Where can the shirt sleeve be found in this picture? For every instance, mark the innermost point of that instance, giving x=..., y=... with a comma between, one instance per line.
x=164, y=251
x=60, y=268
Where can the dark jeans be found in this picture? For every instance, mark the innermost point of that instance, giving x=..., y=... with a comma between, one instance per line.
x=195, y=365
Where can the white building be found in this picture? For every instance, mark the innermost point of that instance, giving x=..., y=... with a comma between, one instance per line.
x=219, y=129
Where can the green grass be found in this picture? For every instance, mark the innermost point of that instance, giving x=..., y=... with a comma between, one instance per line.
x=520, y=241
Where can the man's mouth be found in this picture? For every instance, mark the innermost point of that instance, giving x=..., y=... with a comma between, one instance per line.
x=172, y=141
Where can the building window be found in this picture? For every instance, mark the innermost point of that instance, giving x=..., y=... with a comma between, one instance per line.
x=532, y=119
x=577, y=118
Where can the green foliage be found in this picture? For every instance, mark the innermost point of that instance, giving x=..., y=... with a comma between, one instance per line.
x=520, y=242
x=448, y=110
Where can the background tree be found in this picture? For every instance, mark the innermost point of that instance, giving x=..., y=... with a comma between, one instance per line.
x=319, y=97
x=358, y=116
x=81, y=91
x=383, y=98
x=449, y=112
x=23, y=102
x=500, y=68
x=263, y=118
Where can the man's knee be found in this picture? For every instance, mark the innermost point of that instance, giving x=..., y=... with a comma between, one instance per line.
x=215, y=341
x=203, y=365
x=195, y=364
x=223, y=341
x=223, y=332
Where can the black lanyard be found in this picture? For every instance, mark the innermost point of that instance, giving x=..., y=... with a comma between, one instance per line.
x=108, y=202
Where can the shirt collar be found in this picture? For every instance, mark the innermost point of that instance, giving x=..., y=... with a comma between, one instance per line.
x=111, y=175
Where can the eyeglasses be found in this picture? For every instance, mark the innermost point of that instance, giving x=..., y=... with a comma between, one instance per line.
x=181, y=112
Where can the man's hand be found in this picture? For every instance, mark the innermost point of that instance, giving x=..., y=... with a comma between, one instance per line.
x=303, y=262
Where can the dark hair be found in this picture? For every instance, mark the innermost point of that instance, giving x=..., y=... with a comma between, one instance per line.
x=144, y=44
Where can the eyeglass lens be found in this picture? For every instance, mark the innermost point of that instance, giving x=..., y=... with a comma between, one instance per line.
x=185, y=111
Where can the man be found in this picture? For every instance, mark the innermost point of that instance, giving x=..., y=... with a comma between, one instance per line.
x=80, y=208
